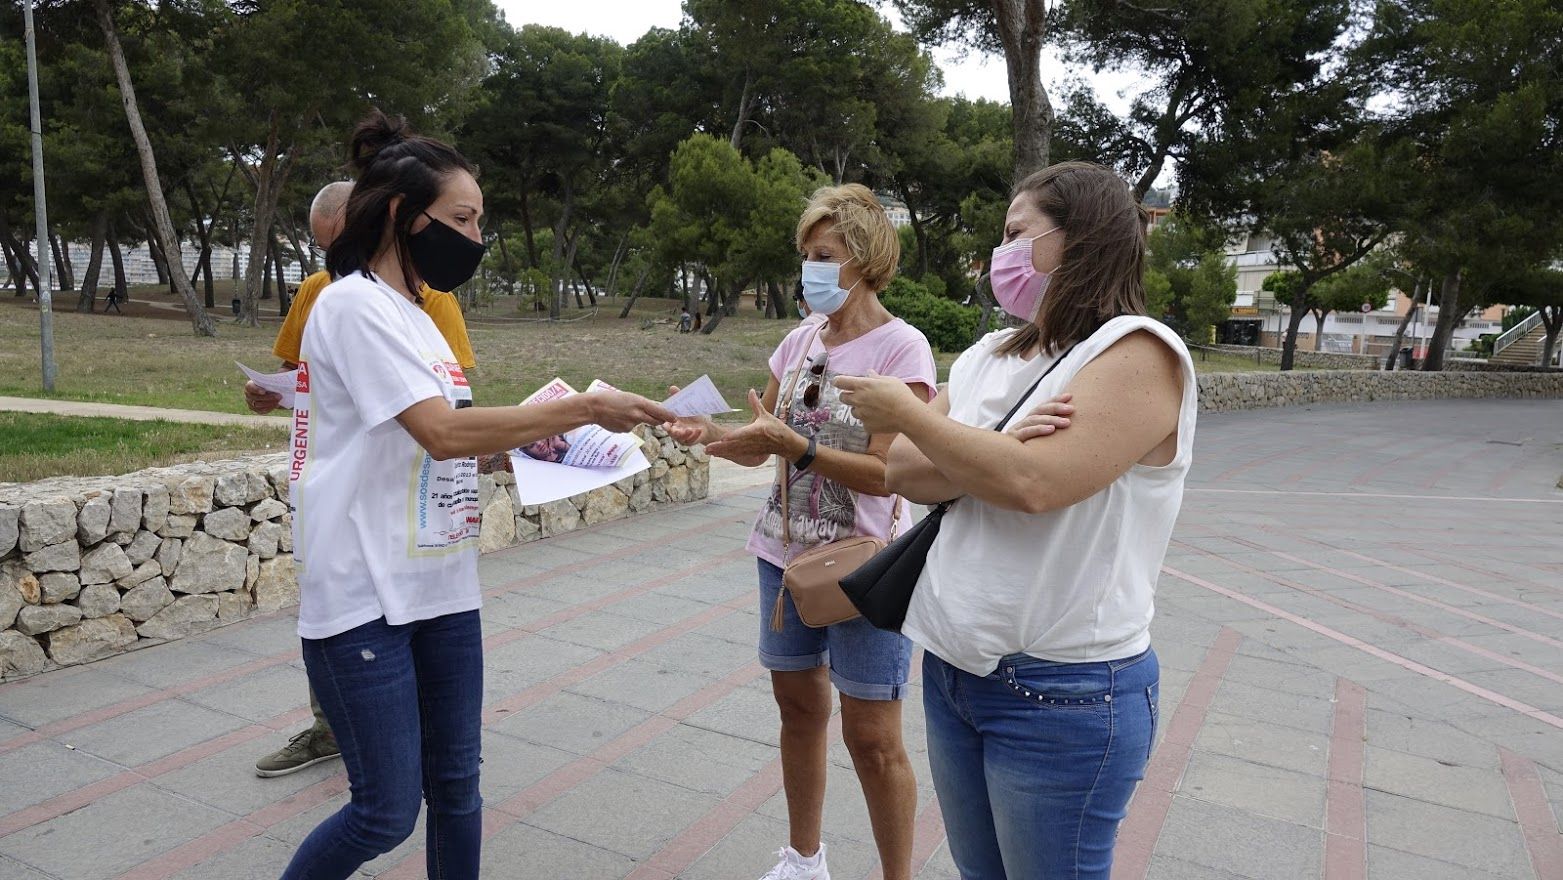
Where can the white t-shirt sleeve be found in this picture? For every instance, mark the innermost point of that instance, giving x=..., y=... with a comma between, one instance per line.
x=380, y=366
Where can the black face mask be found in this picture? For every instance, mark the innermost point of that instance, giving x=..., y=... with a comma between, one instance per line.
x=445, y=259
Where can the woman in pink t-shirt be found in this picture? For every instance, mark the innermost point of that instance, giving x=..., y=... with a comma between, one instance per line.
x=835, y=479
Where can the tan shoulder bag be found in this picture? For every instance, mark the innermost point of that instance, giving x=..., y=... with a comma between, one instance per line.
x=814, y=577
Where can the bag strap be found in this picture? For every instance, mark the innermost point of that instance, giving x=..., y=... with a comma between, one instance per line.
x=945, y=505
x=783, y=411
x=1033, y=389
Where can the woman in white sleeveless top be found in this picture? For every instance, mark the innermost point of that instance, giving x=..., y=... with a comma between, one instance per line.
x=1039, y=682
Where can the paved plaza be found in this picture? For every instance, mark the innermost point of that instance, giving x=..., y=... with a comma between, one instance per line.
x=1360, y=627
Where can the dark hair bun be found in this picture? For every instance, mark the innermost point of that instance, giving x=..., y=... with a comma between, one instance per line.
x=374, y=135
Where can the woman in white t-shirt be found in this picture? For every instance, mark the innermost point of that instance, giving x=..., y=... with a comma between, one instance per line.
x=384, y=491
x=1039, y=682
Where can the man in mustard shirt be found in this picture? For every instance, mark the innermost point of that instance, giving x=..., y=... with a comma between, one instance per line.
x=316, y=744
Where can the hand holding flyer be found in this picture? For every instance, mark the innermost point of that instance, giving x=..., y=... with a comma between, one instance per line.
x=698, y=398
x=283, y=383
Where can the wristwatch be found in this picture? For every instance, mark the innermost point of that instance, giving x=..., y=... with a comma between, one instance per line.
x=803, y=462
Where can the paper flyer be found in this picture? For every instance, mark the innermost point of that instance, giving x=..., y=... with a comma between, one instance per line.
x=698, y=398
x=579, y=461
x=278, y=383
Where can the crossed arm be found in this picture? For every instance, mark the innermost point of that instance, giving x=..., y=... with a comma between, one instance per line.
x=1126, y=402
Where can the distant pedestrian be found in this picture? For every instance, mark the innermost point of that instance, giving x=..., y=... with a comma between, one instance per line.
x=685, y=321
x=113, y=301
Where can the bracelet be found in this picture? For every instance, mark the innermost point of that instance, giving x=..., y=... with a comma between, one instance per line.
x=803, y=462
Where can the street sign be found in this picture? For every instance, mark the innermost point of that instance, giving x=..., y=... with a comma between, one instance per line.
x=1367, y=307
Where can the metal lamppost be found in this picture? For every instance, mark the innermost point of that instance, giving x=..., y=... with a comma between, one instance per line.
x=40, y=209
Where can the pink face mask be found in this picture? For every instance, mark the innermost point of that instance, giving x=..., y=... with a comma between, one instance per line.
x=1017, y=284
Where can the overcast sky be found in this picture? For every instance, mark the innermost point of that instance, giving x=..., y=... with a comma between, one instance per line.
x=975, y=76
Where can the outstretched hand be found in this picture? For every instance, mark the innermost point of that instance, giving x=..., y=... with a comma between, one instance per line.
x=621, y=411
x=765, y=436
x=689, y=430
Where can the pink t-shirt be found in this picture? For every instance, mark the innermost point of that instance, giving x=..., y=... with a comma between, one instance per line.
x=823, y=510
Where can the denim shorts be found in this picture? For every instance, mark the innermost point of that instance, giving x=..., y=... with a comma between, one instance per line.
x=865, y=662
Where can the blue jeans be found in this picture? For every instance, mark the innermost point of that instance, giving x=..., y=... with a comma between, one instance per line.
x=865, y=662
x=406, y=705
x=1034, y=764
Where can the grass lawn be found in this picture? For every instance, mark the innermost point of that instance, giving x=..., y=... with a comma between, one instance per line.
x=39, y=445
x=151, y=358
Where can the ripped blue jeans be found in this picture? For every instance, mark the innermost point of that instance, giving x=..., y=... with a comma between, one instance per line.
x=405, y=703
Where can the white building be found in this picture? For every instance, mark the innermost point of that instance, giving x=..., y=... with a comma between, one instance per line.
x=1371, y=332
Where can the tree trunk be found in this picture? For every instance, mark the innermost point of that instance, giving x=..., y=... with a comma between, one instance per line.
x=1167, y=129
x=591, y=292
x=611, y=290
x=743, y=108
x=12, y=268
x=117, y=257
x=640, y=284
x=62, y=263
x=776, y=301
x=1449, y=315
x=559, y=263
x=683, y=280
x=199, y=319
x=983, y=294
x=918, y=233
x=159, y=262
x=1293, y=324
x=233, y=235
x=269, y=180
x=305, y=256
x=1418, y=293
x=279, y=272
x=265, y=276
x=88, y=299
x=1318, y=331
x=1552, y=319
x=533, y=261
x=1022, y=29
x=504, y=250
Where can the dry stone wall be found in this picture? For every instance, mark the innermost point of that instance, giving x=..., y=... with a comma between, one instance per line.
x=94, y=566
x=1225, y=392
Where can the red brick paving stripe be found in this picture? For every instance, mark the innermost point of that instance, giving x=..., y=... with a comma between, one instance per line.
x=151, y=698
x=115, y=710
x=502, y=708
x=1373, y=650
x=1148, y=811
x=1345, y=809
x=707, y=831
x=1429, y=576
x=228, y=836
x=1422, y=630
x=537, y=795
x=1539, y=826
x=1414, y=597
x=1437, y=557
x=81, y=797
x=565, y=615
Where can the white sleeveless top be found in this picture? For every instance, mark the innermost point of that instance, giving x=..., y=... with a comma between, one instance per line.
x=1075, y=585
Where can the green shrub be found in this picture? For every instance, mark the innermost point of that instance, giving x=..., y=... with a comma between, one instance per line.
x=948, y=325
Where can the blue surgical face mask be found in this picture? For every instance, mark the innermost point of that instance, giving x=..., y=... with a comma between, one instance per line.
x=822, y=286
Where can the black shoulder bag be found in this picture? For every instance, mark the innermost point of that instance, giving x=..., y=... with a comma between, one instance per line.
x=881, y=588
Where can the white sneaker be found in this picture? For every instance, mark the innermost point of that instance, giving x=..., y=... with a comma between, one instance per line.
x=795, y=867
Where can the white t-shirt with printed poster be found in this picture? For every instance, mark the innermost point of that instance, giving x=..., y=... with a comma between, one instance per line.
x=380, y=528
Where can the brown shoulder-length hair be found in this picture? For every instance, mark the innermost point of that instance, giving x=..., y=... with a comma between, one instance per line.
x=1102, y=273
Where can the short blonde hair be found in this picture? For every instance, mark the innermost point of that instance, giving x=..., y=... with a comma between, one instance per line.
x=862, y=223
